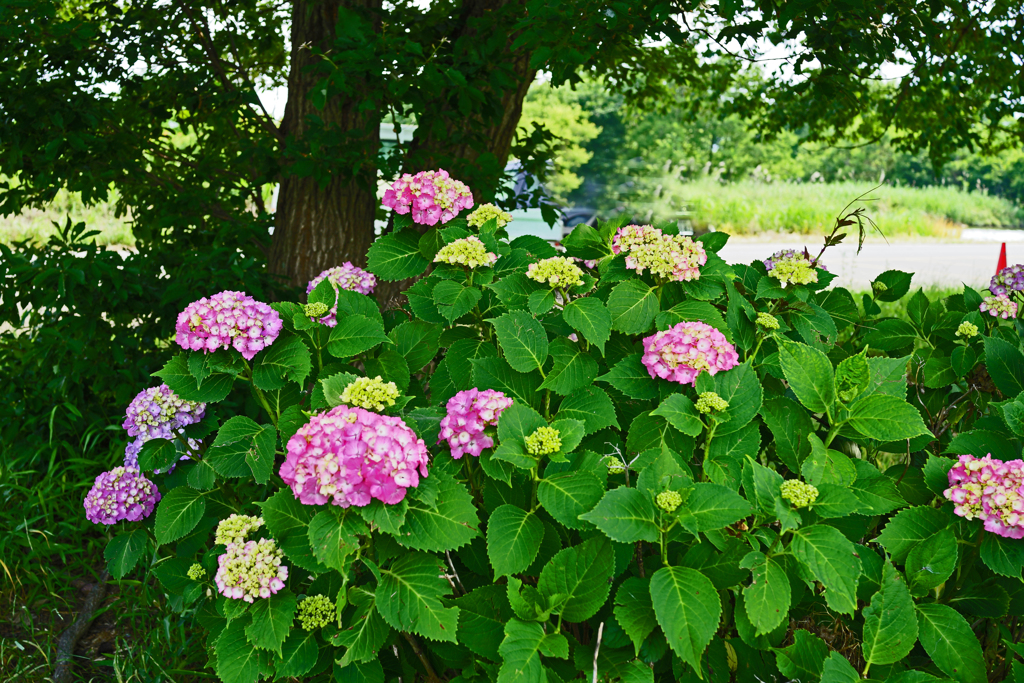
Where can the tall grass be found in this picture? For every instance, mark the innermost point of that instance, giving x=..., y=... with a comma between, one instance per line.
x=751, y=207
x=36, y=225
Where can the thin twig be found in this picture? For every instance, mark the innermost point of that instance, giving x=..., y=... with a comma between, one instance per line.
x=597, y=649
x=431, y=675
x=452, y=565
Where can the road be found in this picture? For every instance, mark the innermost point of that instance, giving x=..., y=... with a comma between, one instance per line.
x=948, y=264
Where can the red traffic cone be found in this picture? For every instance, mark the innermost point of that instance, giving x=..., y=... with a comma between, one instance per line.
x=1002, y=258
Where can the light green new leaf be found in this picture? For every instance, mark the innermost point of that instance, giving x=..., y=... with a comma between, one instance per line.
x=831, y=558
x=271, y=620
x=409, y=597
x=890, y=625
x=177, y=513
x=580, y=576
x=810, y=376
x=887, y=418
x=688, y=609
x=949, y=641
x=625, y=515
x=513, y=539
x=591, y=318
x=768, y=596
x=522, y=339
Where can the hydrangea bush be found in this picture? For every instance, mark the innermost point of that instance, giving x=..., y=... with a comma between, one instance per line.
x=618, y=460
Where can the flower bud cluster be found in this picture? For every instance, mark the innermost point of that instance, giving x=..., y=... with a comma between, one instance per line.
x=670, y=257
x=371, y=394
x=470, y=413
x=315, y=612
x=544, y=441
x=251, y=570
x=710, y=401
x=990, y=490
x=614, y=465
x=767, y=321
x=791, y=267
x=683, y=351
x=196, y=572
x=798, y=493
x=349, y=456
x=346, y=276
x=669, y=501
x=557, y=271
x=468, y=251
x=1009, y=279
x=228, y=319
x=967, y=330
x=236, y=528
x=486, y=212
x=999, y=306
x=123, y=493
x=316, y=310
x=432, y=196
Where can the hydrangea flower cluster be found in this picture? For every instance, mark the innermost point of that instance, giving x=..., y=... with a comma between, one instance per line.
x=967, y=330
x=123, y=493
x=468, y=251
x=999, y=306
x=315, y=612
x=1009, y=279
x=251, y=570
x=683, y=351
x=767, y=321
x=196, y=572
x=670, y=257
x=792, y=267
x=544, y=441
x=798, y=493
x=470, y=413
x=485, y=213
x=346, y=276
x=348, y=456
x=158, y=413
x=432, y=196
x=316, y=310
x=669, y=501
x=614, y=465
x=990, y=490
x=710, y=401
x=371, y=394
x=228, y=319
x=556, y=272
x=235, y=528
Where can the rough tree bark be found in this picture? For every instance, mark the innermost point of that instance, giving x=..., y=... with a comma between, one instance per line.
x=317, y=227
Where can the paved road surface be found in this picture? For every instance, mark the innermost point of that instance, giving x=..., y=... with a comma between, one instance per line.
x=946, y=264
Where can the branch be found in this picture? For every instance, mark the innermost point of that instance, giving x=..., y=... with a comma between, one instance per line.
x=431, y=675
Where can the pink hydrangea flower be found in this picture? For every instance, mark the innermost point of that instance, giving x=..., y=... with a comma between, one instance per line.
x=431, y=196
x=251, y=570
x=990, y=490
x=348, y=456
x=683, y=351
x=346, y=276
x=123, y=493
x=999, y=306
x=470, y=413
x=157, y=413
x=228, y=319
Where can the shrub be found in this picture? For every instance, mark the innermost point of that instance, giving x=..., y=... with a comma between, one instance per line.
x=612, y=470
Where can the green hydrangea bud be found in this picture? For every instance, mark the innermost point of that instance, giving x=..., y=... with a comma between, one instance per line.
x=967, y=330
x=196, y=572
x=370, y=394
x=709, y=401
x=614, y=465
x=315, y=310
x=767, y=321
x=557, y=271
x=485, y=213
x=235, y=528
x=878, y=287
x=798, y=493
x=668, y=501
x=316, y=612
x=544, y=441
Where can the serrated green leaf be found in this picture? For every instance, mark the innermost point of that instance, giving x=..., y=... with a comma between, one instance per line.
x=831, y=559
x=688, y=609
x=513, y=539
x=625, y=515
x=633, y=306
x=123, y=552
x=573, y=368
x=950, y=642
x=157, y=454
x=409, y=597
x=567, y=496
x=579, y=576
x=634, y=610
x=365, y=630
x=286, y=360
x=522, y=339
x=592, y=406
x=908, y=528
x=176, y=375
x=681, y=414
x=298, y=654
x=837, y=669
x=742, y=390
x=1004, y=556
x=288, y=521
x=887, y=418
x=454, y=300
x=256, y=442
x=711, y=507
x=890, y=625
x=271, y=620
x=631, y=378
x=334, y=535
x=768, y=596
x=591, y=318
x=417, y=341
x=932, y=561
x=803, y=660
x=447, y=525
x=237, y=660
x=520, y=653
x=810, y=376
x=495, y=373
x=790, y=426
x=177, y=513
x=396, y=256
x=355, y=334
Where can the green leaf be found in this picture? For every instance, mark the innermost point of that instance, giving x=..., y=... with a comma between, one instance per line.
x=448, y=523
x=257, y=443
x=932, y=561
x=298, y=654
x=288, y=522
x=838, y=669
x=727, y=454
x=571, y=433
x=454, y=300
x=1005, y=365
x=768, y=596
x=573, y=368
x=649, y=431
x=831, y=559
x=632, y=305
x=586, y=243
x=1004, y=556
x=631, y=378
x=827, y=466
x=809, y=373
x=520, y=653
x=803, y=660
x=286, y=360
x=271, y=620
x=522, y=339
x=591, y=318
x=495, y=373
x=334, y=535
x=123, y=552
x=853, y=375
x=908, y=528
x=417, y=341
x=890, y=625
x=887, y=418
x=741, y=388
x=421, y=300
x=354, y=335
x=567, y=496
x=690, y=311
x=409, y=597
x=790, y=426
x=157, y=454
x=514, y=290
x=513, y=539
x=625, y=515
x=681, y=414
x=592, y=406
x=876, y=492
x=176, y=375
x=360, y=672
x=390, y=366
x=518, y=422
x=711, y=507
x=237, y=660
x=396, y=256
x=890, y=334
x=366, y=631
x=950, y=642
x=634, y=610
x=178, y=513
x=895, y=283
x=579, y=576
x=688, y=609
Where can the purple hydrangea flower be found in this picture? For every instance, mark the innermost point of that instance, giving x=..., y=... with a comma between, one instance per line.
x=157, y=413
x=1009, y=279
x=123, y=493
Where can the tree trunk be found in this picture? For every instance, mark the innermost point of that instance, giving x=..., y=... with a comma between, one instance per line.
x=320, y=226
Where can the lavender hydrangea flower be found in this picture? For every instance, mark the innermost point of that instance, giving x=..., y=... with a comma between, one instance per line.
x=1009, y=279
x=158, y=413
x=683, y=351
x=470, y=413
x=228, y=319
x=123, y=493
